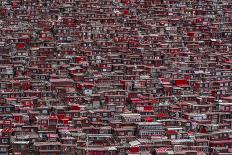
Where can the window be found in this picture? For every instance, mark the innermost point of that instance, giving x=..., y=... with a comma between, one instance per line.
x=3, y=149
x=43, y=122
x=130, y=133
x=44, y=111
x=227, y=108
x=22, y=147
x=7, y=109
x=121, y=150
x=4, y=141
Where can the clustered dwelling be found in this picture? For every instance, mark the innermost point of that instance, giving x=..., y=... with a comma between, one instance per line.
x=116, y=77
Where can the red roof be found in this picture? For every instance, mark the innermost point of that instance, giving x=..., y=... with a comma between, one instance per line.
x=161, y=115
x=53, y=117
x=7, y=130
x=229, y=61
x=136, y=100
x=20, y=46
x=171, y=132
x=181, y=82
x=126, y=12
x=134, y=149
x=153, y=101
x=149, y=119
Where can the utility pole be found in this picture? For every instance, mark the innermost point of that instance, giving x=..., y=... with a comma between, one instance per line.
x=87, y=144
